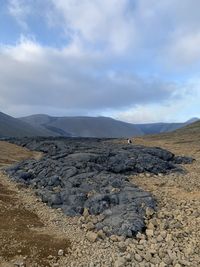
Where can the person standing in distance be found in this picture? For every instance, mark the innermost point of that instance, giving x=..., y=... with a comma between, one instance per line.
x=129, y=141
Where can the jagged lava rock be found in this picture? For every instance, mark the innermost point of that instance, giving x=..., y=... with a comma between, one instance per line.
x=81, y=173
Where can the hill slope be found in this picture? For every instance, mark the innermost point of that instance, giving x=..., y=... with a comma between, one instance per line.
x=186, y=138
x=10, y=127
x=155, y=128
x=83, y=126
x=193, y=129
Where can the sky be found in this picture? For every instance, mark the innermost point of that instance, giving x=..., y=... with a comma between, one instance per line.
x=133, y=60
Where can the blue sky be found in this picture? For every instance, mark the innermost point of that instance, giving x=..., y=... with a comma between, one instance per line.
x=134, y=60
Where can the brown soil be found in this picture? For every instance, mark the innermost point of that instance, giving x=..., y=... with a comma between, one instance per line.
x=11, y=154
x=23, y=234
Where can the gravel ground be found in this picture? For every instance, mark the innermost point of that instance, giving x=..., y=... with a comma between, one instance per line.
x=172, y=235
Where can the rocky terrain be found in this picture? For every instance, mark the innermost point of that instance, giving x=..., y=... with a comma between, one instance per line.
x=91, y=175
x=170, y=239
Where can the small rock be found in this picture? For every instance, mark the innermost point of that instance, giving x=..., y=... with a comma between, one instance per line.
x=169, y=237
x=94, y=220
x=91, y=236
x=128, y=257
x=85, y=213
x=101, y=217
x=162, y=264
x=138, y=258
x=121, y=238
x=149, y=212
x=101, y=234
x=167, y=260
x=149, y=232
x=163, y=234
x=120, y=262
x=50, y=257
x=159, y=238
x=122, y=246
x=114, y=238
x=147, y=256
x=171, y=254
x=106, y=229
x=60, y=252
x=150, y=226
x=20, y=264
x=140, y=236
x=81, y=220
x=89, y=226
x=142, y=242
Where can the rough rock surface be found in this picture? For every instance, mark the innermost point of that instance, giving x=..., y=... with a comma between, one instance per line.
x=90, y=175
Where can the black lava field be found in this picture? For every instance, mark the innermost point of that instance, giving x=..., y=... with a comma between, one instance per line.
x=79, y=173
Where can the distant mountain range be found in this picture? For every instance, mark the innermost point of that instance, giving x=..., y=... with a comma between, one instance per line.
x=44, y=125
x=155, y=128
x=188, y=135
x=83, y=126
x=10, y=126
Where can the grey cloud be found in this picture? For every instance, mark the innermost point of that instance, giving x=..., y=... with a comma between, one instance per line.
x=74, y=83
x=81, y=78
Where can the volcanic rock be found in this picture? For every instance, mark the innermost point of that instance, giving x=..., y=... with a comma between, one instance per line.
x=92, y=175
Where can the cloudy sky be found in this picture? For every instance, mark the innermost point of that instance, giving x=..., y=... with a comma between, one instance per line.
x=134, y=60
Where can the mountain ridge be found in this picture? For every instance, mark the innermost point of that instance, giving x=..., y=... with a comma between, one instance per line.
x=85, y=126
x=76, y=124
x=80, y=126
x=12, y=127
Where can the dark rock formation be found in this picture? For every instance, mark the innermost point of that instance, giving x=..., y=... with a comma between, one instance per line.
x=82, y=173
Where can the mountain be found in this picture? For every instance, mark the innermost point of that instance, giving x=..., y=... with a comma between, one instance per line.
x=44, y=125
x=192, y=129
x=188, y=137
x=83, y=126
x=11, y=127
x=155, y=128
x=192, y=120
x=97, y=126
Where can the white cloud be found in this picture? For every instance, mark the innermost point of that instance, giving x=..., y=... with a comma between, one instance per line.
x=107, y=43
x=38, y=76
x=26, y=50
x=151, y=113
x=102, y=23
x=184, y=50
x=162, y=30
x=19, y=9
x=178, y=108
